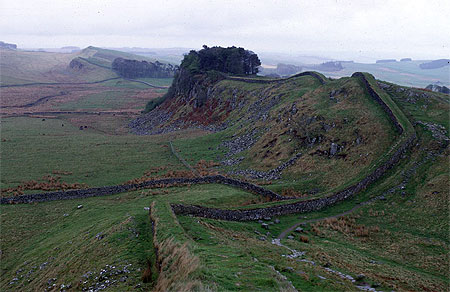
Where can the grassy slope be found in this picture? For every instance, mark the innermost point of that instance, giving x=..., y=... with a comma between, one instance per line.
x=69, y=243
x=21, y=67
x=355, y=113
x=407, y=253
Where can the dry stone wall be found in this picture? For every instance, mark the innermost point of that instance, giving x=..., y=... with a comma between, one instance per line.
x=109, y=190
x=268, y=81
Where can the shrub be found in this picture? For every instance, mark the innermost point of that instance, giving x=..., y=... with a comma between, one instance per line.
x=304, y=239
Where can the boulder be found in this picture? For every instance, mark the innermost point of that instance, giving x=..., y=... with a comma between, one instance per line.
x=298, y=229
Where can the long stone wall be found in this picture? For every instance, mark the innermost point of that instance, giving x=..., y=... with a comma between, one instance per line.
x=268, y=81
x=109, y=190
x=380, y=101
x=292, y=208
x=313, y=204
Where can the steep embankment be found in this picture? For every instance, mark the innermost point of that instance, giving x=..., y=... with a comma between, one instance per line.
x=386, y=162
x=317, y=135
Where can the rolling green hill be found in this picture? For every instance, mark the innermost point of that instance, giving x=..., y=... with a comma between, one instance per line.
x=88, y=65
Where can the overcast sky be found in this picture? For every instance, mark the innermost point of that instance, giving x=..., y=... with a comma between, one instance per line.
x=394, y=28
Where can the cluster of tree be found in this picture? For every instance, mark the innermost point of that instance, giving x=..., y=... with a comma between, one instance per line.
x=231, y=60
x=141, y=69
x=4, y=45
x=331, y=66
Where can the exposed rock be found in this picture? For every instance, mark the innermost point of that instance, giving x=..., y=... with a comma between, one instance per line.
x=272, y=174
x=298, y=229
x=333, y=149
x=437, y=88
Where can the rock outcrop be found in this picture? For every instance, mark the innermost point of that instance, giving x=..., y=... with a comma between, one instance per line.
x=437, y=88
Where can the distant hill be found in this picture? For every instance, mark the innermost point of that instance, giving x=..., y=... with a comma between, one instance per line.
x=407, y=72
x=89, y=64
x=386, y=61
x=4, y=45
x=435, y=64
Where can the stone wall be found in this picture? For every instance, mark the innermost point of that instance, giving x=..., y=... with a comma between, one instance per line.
x=267, y=81
x=378, y=99
x=109, y=190
x=298, y=207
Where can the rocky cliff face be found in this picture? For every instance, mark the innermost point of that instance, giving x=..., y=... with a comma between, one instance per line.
x=194, y=88
x=437, y=88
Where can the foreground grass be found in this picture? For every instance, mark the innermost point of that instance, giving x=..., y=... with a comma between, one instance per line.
x=58, y=240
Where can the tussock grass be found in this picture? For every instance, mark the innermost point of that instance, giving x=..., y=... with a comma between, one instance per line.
x=177, y=265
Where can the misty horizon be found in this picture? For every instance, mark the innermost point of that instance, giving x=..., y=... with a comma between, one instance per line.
x=363, y=31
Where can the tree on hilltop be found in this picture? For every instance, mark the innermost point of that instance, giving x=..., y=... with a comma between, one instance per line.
x=231, y=60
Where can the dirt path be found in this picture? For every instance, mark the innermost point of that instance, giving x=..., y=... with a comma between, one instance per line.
x=287, y=231
x=184, y=162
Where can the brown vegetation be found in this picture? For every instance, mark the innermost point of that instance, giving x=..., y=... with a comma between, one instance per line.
x=175, y=263
x=346, y=225
x=304, y=239
x=48, y=183
x=205, y=168
x=293, y=193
